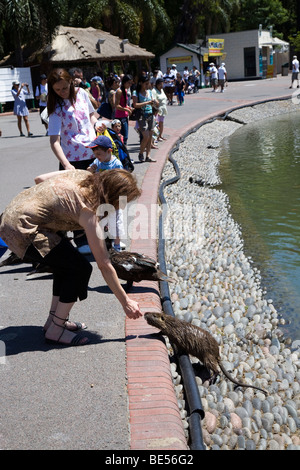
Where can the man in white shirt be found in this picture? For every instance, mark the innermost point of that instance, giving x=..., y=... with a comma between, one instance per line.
x=222, y=73
x=41, y=94
x=173, y=71
x=196, y=76
x=295, y=71
x=186, y=75
x=213, y=76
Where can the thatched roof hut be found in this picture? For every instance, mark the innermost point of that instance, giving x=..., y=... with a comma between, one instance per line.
x=92, y=45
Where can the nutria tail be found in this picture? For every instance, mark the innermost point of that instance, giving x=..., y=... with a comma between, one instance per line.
x=240, y=384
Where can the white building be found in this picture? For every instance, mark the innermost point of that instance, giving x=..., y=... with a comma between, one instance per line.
x=183, y=55
x=253, y=54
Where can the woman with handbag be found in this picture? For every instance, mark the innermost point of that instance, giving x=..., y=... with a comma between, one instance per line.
x=143, y=101
x=123, y=110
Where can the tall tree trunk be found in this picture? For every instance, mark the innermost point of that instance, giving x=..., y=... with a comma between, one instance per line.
x=18, y=50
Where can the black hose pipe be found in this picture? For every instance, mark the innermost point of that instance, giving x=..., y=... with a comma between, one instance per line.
x=186, y=368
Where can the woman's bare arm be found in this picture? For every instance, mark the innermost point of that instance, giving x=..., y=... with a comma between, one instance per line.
x=46, y=176
x=89, y=221
x=58, y=152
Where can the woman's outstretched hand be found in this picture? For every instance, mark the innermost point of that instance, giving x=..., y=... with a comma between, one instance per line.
x=132, y=309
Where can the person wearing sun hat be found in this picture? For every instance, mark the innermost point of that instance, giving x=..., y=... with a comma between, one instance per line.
x=20, y=108
x=222, y=76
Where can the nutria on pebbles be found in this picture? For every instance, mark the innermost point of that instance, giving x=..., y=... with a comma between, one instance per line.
x=195, y=341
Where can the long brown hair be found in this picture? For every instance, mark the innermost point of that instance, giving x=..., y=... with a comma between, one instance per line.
x=53, y=99
x=106, y=187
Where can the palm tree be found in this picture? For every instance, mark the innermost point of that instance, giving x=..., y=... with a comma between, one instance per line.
x=142, y=22
x=204, y=17
x=19, y=19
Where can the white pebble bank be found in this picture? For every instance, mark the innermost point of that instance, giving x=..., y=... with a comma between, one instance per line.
x=218, y=288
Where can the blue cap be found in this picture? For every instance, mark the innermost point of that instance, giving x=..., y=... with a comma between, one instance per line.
x=101, y=141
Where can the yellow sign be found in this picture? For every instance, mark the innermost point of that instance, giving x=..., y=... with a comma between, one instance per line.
x=179, y=60
x=205, y=58
x=270, y=71
x=215, y=47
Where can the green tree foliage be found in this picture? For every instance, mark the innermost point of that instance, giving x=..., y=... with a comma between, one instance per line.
x=18, y=21
x=143, y=22
x=295, y=42
x=153, y=24
x=28, y=22
x=265, y=12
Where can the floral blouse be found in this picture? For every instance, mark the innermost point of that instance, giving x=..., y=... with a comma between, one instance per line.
x=74, y=127
x=36, y=214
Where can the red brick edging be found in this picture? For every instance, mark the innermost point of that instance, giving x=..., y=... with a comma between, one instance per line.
x=154, y=416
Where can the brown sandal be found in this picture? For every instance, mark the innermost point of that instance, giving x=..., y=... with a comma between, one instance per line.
x=76, y=341
x=78, y=325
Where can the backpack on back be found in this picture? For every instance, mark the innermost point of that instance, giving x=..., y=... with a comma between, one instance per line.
x=123, y=153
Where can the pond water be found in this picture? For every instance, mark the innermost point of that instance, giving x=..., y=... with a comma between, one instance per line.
x=260, y=171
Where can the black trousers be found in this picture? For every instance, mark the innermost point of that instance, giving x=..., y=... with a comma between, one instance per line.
x=79, y=235
x=71, y=270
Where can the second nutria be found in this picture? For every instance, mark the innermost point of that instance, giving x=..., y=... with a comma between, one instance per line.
x=193, y=340
x=136, y=267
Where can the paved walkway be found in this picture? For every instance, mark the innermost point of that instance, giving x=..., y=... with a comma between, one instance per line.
x=117, y=392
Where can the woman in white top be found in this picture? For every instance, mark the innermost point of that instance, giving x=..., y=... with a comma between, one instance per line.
x=143, y=100
x=72, y=119
x=160, y=96
x=41, y=93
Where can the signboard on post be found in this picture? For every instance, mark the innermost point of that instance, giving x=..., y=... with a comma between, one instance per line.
x=215, y=47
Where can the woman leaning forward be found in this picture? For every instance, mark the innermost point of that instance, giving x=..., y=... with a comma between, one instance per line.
x=32, y=226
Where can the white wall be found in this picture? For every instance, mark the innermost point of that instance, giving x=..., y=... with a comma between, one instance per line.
x=179, y=52
x=7, y=76
x=234, y=47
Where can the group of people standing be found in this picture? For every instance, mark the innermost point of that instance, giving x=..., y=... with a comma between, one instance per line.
x=146, y=104
x=35, y=222
x=177, y=84
x=73, y=127
x=217, y=75
x=70, y=199
x=149, y=100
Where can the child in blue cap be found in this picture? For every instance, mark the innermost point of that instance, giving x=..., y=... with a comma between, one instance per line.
x=105, y=160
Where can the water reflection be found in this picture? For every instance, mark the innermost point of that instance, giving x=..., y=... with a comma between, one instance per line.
x=260, y=170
